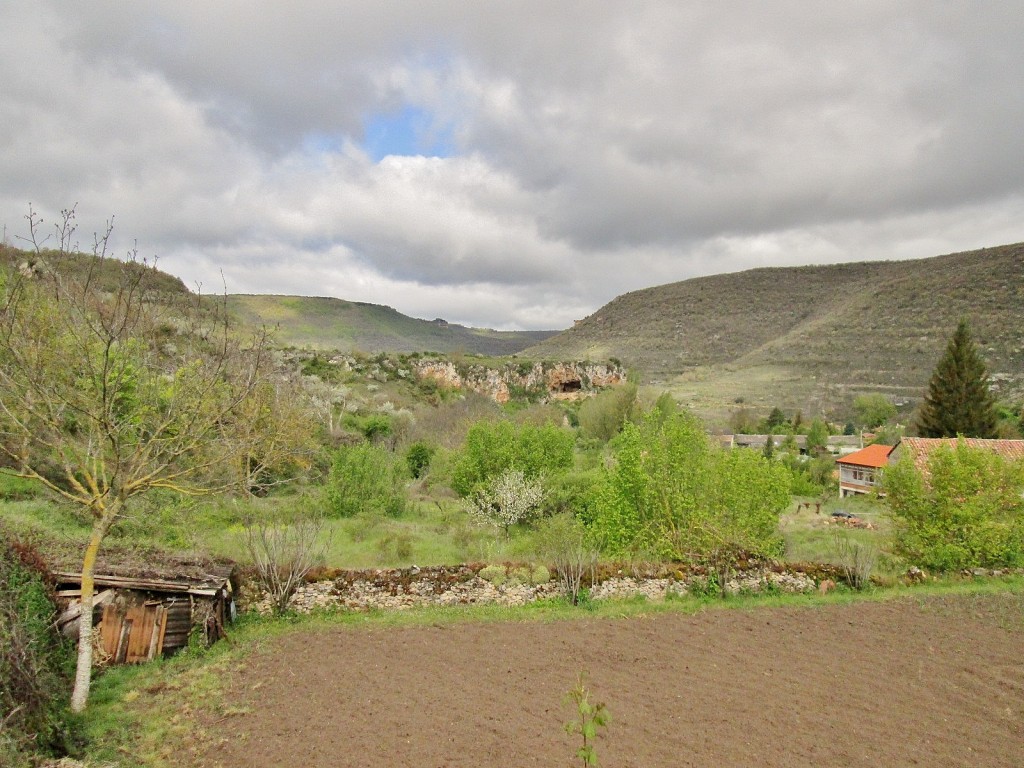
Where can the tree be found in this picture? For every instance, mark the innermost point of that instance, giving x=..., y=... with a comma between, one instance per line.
x=111, y=390
x=507, y=499
x=602, y=416
x=567, y=547
x=966, y=512
x=817, y=438
x=873, y=410
x=776, y=419
x=743, y=422
x=958, y=401
x=674, y=494
x=493, y=447
x=283, y=552
x=365, y=478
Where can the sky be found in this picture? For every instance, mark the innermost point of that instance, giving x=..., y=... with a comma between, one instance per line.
x=511, y=165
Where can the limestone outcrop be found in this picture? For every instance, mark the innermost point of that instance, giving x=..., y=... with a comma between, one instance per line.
x=546, y=381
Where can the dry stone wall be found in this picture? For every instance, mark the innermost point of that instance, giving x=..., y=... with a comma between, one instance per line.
x=518, y=584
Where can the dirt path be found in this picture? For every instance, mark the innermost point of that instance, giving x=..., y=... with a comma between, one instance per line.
x=936, y=682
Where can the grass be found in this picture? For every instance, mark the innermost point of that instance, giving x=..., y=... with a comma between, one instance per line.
x=433, y=531
x=150, y=715
x=335, y=324
x=809, y=539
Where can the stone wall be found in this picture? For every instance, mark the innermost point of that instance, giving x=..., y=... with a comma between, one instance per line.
x=518, y=584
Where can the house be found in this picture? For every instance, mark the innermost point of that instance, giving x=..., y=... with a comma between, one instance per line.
x=758, y=442
x=837, y=445
x=920, y=448
x=144, y=613
x=860, y=471
x=843, y=445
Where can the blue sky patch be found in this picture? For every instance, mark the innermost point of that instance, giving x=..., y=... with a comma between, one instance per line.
x=410, y=131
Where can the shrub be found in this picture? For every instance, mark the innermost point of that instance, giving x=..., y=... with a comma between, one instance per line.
x=674, y=494
x=968, y=512
x=602, y=416
x=14, y=488
x=365, y=478
x=571, y=493
x=417, y=458
x=856, y=559
x=34, y=664
x=396, y=545
x=540, y=575
x=495, y=574
x=283, y=552
x=567, y=545
x=492, y=448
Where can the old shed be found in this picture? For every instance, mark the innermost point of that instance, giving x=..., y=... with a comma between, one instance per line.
x=140, y=614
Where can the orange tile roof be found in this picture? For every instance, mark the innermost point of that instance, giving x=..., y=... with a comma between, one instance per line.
x=920, y=448
x=870, y=456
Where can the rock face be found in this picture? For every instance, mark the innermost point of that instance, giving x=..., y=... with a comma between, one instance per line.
x=550, y=381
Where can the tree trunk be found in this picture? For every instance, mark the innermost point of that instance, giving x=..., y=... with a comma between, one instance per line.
x=83, y=670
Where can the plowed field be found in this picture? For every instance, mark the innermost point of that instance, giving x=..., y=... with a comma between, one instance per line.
x=930, y=682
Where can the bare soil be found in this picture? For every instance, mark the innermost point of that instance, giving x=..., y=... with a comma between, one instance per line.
x=930, y=682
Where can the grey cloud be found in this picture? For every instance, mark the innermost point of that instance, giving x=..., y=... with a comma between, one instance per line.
x=598, y=147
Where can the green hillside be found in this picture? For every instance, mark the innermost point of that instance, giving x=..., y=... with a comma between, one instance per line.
x=327, y=323
x=811, y=337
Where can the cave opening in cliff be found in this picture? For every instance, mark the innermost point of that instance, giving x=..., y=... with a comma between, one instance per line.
x=573, y=385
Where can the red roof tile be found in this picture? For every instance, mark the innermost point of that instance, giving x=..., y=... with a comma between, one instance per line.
x=870, y=456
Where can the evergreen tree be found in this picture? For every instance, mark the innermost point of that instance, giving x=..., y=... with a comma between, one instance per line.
x=776, y=419
x=958, y=401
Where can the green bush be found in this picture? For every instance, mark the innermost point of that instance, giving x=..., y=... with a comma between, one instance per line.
x=365, y=479
x=968, y=512
x=571, y=493
x=674, y=494
x=417, y=458
x=602, y=416
x=35, y=665
x=810, y=477
x=495, y=574
x=372, y=426
x=494, y=447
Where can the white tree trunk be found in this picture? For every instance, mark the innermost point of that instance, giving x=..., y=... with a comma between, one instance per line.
x=83, y=670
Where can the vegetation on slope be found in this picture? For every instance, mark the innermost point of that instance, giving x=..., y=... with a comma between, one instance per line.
x=328, y=323
x=826, y=332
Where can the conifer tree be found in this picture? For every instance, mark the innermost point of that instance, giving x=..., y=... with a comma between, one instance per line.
x=958, y=401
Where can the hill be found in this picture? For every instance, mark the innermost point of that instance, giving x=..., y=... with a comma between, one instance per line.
x=327, y=323
x=105, y=274
x=811, y=337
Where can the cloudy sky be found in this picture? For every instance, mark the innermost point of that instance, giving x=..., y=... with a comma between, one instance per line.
x=512, y=164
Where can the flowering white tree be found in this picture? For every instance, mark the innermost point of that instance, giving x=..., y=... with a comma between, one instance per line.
x=507, y=499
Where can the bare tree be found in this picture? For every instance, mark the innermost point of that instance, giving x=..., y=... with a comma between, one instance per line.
x=111, y=385
x=566, y=546
x=283, y=553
